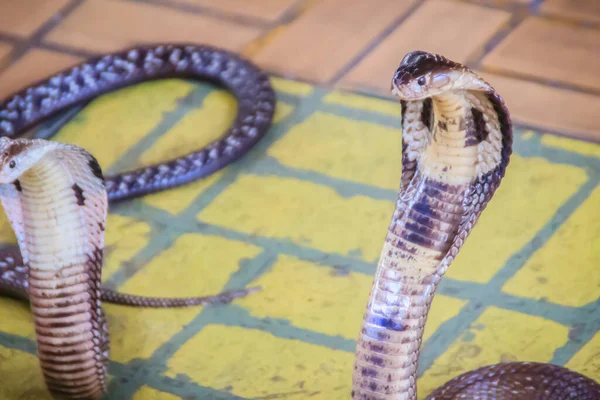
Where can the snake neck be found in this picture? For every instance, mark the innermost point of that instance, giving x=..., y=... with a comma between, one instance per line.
x=60, y=219
x=50, y=200
x=436, y=209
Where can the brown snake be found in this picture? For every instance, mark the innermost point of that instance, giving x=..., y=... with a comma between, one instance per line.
x=456, y=146
x=56, y=199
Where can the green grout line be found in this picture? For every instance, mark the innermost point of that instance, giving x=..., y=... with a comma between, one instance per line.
x=269, y=166
x=530, y=148
x=465, y=290
x=159, y=359
x=166, y=228
x=185, y=388
x=190, y=102
x=281, y=246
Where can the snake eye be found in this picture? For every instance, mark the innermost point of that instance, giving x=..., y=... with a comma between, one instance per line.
x=421, y=81
x=12, y=164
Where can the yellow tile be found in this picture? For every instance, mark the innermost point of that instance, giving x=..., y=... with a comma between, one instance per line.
x=291, y=87
x=124, y=237
x=303, y=213
x=322, y=299
x=114, y=122
x=442, y=309
x=344, y=148
x=565, y=270
x=524, y=203
x=7, y=235
x=23, y=372
x=255, y=364
x=197, y=129
x=577, y=146
x=16, y=318
x=528, y=135
x=147, y=393
x=497, y=335
x=196, y=265
x=363, y=102
x=587, y=360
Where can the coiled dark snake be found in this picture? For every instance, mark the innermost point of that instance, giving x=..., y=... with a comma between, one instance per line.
x=457, y=139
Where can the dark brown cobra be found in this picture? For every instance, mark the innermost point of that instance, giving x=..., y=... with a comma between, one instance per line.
x=65, y=295
x=456, y=146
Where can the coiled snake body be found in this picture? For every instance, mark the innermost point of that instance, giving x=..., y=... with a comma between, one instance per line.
x=456, y=146
x=56, y=199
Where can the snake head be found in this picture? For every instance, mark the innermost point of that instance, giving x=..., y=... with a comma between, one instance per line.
x=19, y=155
x=421, y=75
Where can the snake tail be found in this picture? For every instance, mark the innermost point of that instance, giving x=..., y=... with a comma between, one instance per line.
x=456, y=147
x=14, y=283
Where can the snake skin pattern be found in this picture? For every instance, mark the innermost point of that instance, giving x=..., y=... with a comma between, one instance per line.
x=456, y=146
x=58, y=269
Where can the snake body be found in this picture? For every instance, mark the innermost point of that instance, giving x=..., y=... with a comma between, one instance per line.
x=56, y=199
x=456, y=146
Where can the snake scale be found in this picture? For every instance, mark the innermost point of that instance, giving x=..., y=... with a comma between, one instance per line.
x=456, y=146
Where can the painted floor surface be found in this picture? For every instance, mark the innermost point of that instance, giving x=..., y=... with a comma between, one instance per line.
x=304, y=215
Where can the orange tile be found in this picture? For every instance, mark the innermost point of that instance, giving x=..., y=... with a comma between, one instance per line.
x=5, y=48
x=551, y=50
x=270, y=10
x=108, y=25
x=323, y=39
x=450, y=28
x=575, y=114
x=24, y=17
x=578, y=9
x=33, y=66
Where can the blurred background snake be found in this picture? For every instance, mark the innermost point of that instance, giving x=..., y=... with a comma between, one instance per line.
x=457, y=138
x=56, y=199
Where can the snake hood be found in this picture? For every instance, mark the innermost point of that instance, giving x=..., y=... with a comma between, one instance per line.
x=421, y=75
x=15, y=160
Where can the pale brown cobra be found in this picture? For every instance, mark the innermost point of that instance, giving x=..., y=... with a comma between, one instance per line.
x=456, y=146
x=56, y=198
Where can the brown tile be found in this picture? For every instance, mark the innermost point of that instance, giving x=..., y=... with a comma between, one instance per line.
x=23, y=17
x=270, y=10
x=108, y=25
x=551, y=50
x=323, y=39
x=452, y=29
x=35, y=65
x=578, y=9
x=573, y=113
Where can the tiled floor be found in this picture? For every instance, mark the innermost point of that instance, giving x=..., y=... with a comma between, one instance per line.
x=542, y=55
x=525, y=287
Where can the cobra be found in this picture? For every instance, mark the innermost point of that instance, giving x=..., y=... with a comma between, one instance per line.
x=56, y=199
x=456, y=146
